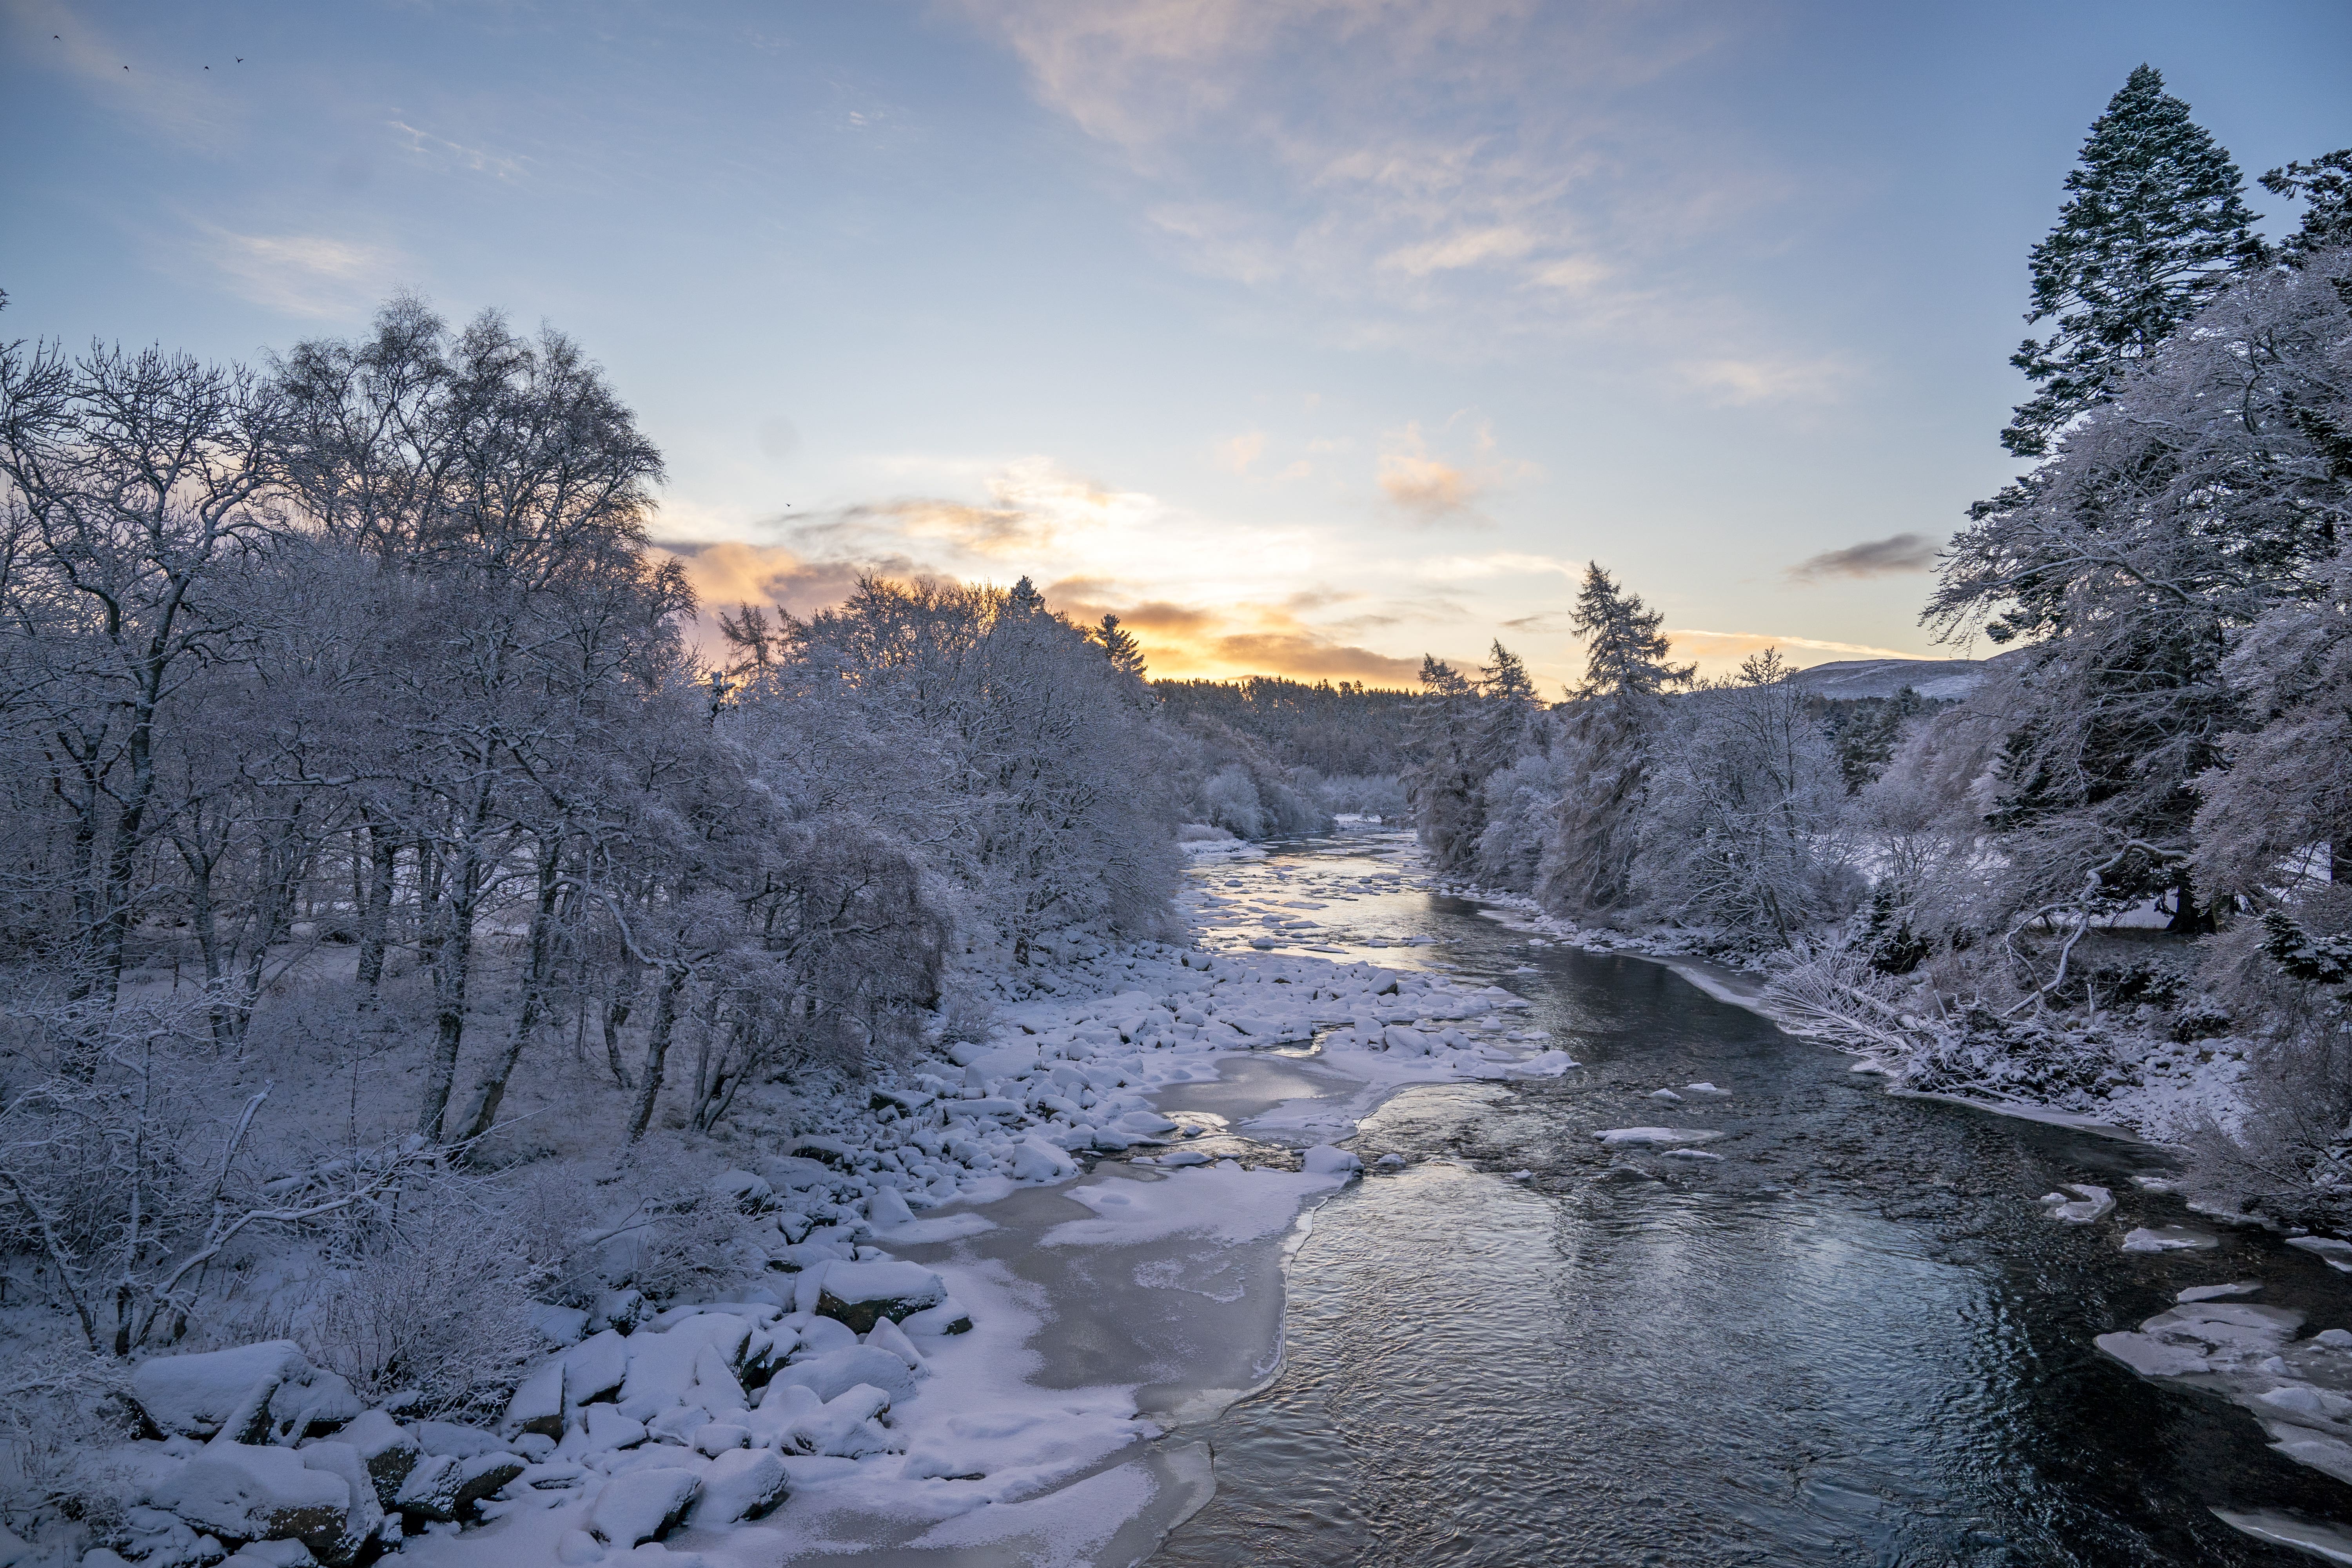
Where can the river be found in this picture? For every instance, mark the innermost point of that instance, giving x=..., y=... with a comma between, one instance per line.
x=1856, y=1338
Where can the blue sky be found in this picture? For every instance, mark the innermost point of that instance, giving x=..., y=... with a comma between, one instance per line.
x=1308, y=335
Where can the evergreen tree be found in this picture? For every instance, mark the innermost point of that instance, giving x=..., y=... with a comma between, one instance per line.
x=1126, y=654
x=1510, y=721
x=1610, y=722
x=2155, y=226
x=2325, y=183
x=1443, y=779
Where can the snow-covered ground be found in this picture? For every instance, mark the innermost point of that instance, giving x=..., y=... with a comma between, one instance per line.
x=996, y=1292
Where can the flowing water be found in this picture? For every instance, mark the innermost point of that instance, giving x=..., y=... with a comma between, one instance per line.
x=1856, y=1339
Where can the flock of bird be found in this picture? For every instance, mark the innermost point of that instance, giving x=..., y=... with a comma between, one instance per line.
x=60, y=37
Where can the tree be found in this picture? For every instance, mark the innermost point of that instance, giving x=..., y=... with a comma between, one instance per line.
x=2325, y=183
x=1740, y=832
x=2154, y=228
x=133, y=489
x=1125, y=653
x=1607, y=727
x=1443, y=778
x=2213, y=492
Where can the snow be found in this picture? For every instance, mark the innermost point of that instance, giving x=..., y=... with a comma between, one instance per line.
x=2216, y=1292
x=2336, y=1254
x=1222, y=1201
x=1652, y=1137
x=2168, y=1239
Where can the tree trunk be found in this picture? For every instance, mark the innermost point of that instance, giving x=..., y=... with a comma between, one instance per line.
x=383, y=863
x=657, y=1040
x=491, y=1087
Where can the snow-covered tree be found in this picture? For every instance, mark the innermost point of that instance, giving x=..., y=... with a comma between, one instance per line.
x=2324, y=185
x=1606, y=730
x=1444, y=775
x=2212, y=490
x=1740, y=832
x=2154, y=226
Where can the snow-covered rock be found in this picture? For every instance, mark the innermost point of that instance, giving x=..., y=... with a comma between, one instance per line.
x=643, y=1505
x=742, y=1484
x=241, y=1492
x=858, y=1294
x=195, y=1396
x=1325, y=1160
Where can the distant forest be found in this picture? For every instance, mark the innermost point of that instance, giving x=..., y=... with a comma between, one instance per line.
x=1350, y=729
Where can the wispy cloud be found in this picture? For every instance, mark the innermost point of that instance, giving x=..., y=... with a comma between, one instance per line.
x=1722, y=649
x=1431, y=488
x=1754, y=381
x=441, y=151
x=1872, y=557
x=301, y=274
x=1463, y=172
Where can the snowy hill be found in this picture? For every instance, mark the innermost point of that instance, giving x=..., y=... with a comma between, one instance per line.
x=1945, y=678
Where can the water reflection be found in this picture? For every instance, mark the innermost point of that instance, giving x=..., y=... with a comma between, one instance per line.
x=1855, y=1340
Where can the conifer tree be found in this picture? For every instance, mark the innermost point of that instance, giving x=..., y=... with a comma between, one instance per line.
x=2325, y=183
x=1610, y=721
x=1125, y=653
x=2153, y=228
x=1443, y=778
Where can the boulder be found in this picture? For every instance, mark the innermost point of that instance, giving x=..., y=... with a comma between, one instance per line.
x=445, y=1488
x=538, y=1402
x=1324, y=1160
x=637, y=1506
x=595, y=1368
x=828, y=1375
x=311, y=1405
x=742, y=1484
x=388, y=1449
x=240, y=1493
x=859, y=1294
x=361, y=1519
x=196, y=1395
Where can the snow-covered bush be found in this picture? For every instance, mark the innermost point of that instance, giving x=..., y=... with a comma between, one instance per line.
x=435, y=1298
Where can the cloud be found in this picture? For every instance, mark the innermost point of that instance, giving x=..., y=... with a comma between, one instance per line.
x=1871, y=558
x=1187, y=640
x=729, y=572
x=1471, y=248
x=1742, y=382
x=302, y=274
x=1433, y=489
x=1237, y=453
x=1430, y=490
x=450, y=154
x=1721, y=649
x=1462, y=173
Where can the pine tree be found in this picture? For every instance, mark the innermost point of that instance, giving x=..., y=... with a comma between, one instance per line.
x=2325, y=183
x=1610, y=721
x=1443, y=779
x=1509, y=724
x=2155, y=226
x=1125, y=653
x=1625, y=654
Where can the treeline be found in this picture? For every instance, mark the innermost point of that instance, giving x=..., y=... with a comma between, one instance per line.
x=1277, y=757
x=370, y=645
x=2167, y=744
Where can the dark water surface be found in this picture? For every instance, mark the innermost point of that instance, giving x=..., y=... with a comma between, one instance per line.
x=1858, y=1338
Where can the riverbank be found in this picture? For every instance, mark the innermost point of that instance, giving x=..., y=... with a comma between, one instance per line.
x=991, y=1292
x=2111, y=1076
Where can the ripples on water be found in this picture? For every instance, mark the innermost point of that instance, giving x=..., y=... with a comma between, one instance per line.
x=1857, y=1340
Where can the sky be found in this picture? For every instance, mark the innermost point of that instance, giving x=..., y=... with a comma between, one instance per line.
x=1308, y=336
